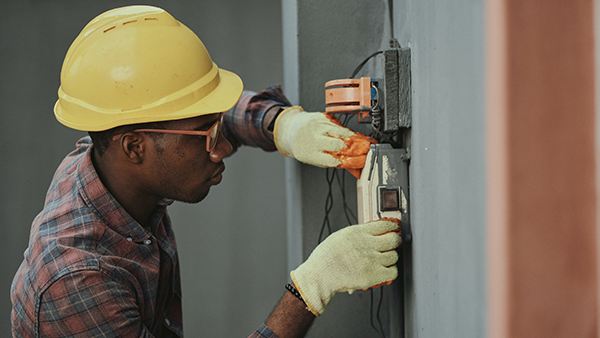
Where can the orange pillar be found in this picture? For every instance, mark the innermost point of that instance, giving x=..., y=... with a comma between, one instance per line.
x=542, y=244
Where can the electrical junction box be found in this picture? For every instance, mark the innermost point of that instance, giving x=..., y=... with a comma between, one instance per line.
x=382, y=190
x=385, y=103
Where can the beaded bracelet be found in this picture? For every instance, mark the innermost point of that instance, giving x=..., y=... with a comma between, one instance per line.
x=294, y=292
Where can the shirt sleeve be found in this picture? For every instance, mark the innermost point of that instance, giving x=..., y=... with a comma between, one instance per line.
x=263, y=332
x=243, y=124
x=89, y=303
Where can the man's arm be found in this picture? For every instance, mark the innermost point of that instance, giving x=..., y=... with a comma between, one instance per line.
x=267, y=120
x=290, y=319
x=248, y=121
x=358, y=257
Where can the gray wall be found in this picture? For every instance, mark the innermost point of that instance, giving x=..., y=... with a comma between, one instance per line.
x=448, y=166
x=232, y=245
x=447, y=283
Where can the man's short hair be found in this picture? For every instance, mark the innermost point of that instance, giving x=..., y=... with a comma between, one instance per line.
x=101, y=139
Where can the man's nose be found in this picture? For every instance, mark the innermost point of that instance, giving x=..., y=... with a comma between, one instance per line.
x=222, y=149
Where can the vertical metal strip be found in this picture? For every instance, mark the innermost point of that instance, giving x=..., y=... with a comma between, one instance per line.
x=497, y=176
x=293, y=182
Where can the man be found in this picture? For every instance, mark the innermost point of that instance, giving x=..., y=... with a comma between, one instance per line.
x=102, y=259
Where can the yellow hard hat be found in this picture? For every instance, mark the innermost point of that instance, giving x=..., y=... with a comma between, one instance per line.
x=138, y=64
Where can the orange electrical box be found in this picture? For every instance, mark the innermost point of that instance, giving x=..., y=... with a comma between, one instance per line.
x=349, y=96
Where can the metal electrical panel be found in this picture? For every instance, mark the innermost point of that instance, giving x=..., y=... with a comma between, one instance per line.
x=385, y=175
x=382, y=190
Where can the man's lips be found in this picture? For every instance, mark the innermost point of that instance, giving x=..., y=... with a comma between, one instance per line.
x=218, y=175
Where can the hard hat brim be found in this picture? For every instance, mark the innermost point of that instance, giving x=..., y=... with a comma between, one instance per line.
x=222, y=98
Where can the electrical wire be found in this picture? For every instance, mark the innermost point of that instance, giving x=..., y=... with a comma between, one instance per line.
x=363, y=63
x=375, y=112
x=378, y=309
x=380, y=333
x=350, y=217
x=379, y=330
x=393, y=42
x=328, y=202
x=330, y=175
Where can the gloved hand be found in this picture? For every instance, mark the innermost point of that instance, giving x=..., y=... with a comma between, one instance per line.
x=321, y=140
x=358, y=257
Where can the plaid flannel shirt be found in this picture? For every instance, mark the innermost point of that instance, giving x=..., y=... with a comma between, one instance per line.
x=242, y=125
x=91, y=270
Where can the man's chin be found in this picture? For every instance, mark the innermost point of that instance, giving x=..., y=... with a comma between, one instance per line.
x=194, y=198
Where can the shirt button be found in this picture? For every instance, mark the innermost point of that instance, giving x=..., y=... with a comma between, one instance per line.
x=148, y=241
x=167, y=321
x=129, y=239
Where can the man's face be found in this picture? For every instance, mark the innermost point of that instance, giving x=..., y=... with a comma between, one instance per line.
x=181, y=167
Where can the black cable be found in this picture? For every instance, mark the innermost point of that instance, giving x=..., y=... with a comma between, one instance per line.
x=346, y=119
x=378, y=309
x=391, y=13
x=328, y=202
x=329, y=199
x=363, y=63
x=347, y=210
x=350, y=217
x=393, y=42
x=372, y=324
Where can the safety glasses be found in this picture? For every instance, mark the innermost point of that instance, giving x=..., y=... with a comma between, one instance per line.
x=212, y=134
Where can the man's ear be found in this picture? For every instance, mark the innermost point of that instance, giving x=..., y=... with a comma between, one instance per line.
x=133, y=146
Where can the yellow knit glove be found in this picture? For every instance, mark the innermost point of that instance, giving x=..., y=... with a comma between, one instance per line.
x=319, y=139
x=357, y=257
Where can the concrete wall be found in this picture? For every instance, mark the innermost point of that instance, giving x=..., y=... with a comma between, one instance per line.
x=446, y=286
x=448, y=166
x=232, y=245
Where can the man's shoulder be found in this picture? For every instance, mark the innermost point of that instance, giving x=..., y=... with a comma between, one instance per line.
x=64, y=181
x=64, y=239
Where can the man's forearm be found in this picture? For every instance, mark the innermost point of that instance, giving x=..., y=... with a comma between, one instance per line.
x=290, y=319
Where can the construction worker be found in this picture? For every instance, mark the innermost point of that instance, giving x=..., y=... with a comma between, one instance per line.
x=102, y=259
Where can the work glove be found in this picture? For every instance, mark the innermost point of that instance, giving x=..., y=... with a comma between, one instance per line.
x=358, y=257
x=321, y=140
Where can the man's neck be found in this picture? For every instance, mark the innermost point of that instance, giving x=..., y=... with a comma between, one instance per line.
x=125, y=188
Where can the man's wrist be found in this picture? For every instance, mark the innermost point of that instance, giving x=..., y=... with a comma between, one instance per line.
x=291, y=288
x=290, y=318
x=269, y=120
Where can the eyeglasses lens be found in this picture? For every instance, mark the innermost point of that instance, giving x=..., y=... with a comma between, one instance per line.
x=214, y=136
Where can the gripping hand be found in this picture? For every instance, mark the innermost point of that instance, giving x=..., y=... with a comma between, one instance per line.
x=320, y=139
x=358, y=257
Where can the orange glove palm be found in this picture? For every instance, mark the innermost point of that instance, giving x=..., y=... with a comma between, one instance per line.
x=320, y=139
